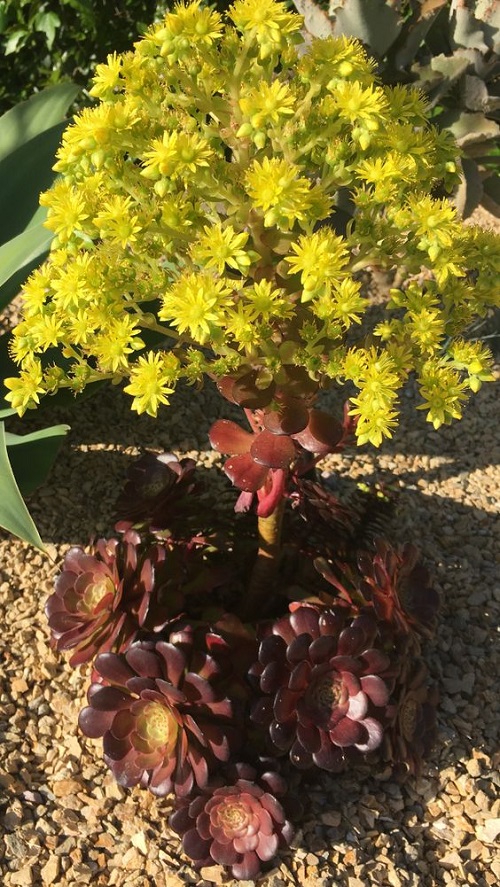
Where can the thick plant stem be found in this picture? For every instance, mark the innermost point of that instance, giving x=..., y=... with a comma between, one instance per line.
x=261, y=586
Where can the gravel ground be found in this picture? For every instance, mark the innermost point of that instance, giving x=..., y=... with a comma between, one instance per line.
x=64, y=821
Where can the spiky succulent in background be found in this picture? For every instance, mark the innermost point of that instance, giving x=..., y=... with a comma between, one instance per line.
x=448, y=49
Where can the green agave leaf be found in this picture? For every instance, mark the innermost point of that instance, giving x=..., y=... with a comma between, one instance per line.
x=372, y=21
x=412, y=35
x=470, y=190
x=316, y=21
x=40, y=112
x=14, y=516
x=491, y=187
x=31, y=455
x=12, y=286
x=469, y=128
x=477, y=27
x=20, y=252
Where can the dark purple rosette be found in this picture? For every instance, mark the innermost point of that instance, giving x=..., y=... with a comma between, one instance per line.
x=164, y=722
x=399, y=588
x=413, y=728
x=326, y=684
x=240, y=825
x=103, y=598
x=160, y=494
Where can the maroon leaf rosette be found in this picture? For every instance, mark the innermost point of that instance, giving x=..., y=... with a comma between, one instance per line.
x=164, y=723
x=326, y=686
x=240, y=825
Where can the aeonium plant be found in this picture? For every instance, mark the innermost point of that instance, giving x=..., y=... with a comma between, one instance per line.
x=213, y=217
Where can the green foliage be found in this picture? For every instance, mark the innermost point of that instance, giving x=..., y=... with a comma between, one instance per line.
x=29, y=134
x=45, y=42
x=33, y=458
x=202, y=199
x=451, y=51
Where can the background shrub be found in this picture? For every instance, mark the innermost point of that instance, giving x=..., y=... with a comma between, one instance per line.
x=56, y=40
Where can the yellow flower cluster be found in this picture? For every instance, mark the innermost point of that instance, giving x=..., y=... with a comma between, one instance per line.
x=221, y=200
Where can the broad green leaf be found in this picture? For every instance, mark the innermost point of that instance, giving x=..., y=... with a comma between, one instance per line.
x=31, y=455
x=23, y=175
x=14, y=516
x=4, y=15
x=47, y=23
x=40, y=112
x=16, y=39
x=19, y=252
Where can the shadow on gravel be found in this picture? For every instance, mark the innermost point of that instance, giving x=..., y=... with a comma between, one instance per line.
x=105, y=437
x=457, y=541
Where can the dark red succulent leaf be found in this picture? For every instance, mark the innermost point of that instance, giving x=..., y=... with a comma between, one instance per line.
x=413, y=729
x=283, y=438
x=271, y=493
x=273, y=450
x=225, y=387
x=164, y=721
x=161, y=493
x=286, y=415
x=330, y=683
x=259, y=464
x=322, y=434
x=103, y=598
x=231, y=643
x=246, y=474
x=297, y=382
x=240, y=825
x=398, y=586
x=244, y=390
x=228, y=437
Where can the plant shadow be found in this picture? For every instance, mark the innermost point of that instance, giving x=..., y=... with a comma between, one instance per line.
x=444, y=504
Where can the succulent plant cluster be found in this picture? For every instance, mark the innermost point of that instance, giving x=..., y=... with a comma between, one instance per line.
x=201, y=230
x=191, y=700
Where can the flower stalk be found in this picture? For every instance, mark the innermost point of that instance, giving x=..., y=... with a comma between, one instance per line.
x=263, y=578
